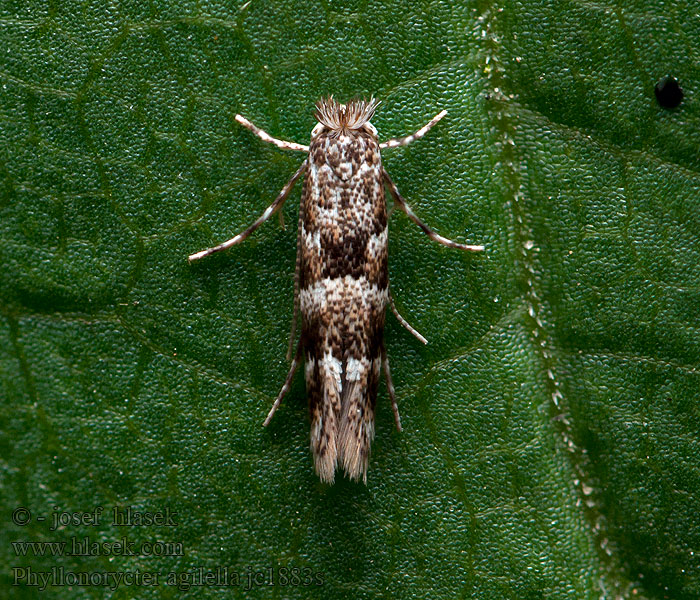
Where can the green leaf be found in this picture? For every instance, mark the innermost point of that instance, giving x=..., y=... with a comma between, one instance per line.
x=550, y=445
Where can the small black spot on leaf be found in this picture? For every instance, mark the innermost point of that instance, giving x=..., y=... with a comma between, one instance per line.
x=668, y=93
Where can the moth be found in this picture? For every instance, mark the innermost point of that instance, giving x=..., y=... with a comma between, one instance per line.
x=341, y=283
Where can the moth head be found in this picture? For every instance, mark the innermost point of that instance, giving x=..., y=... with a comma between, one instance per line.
x=347, y=118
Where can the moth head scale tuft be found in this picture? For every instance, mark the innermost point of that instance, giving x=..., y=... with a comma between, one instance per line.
x=345, y=118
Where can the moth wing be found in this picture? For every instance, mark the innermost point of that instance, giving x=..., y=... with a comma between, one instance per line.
x=358, y=402
x=323, y=389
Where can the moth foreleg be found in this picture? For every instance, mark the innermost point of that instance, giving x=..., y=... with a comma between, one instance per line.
x=390, y=388
x=404, y=141
x=266, y=137
x=269, y=211
x=404, y=322
x=401, y=203
x=285, y=387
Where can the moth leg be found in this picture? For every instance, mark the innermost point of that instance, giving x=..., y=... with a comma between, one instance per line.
x=297, y=269
x=390, y=388
x=266, y=137
x=401, y=203
x=285, y=387
x=404, y=141
x=404, y=322
x=269, y=211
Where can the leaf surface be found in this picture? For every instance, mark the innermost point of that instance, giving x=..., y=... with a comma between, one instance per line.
x=550, y=445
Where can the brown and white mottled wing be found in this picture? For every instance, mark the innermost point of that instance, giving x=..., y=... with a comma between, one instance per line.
x=341, y=283
x=343, y=295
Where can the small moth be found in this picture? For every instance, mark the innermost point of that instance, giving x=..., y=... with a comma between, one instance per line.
x=341, y=284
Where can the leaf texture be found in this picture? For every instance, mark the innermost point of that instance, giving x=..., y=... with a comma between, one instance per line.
x=550, y=445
